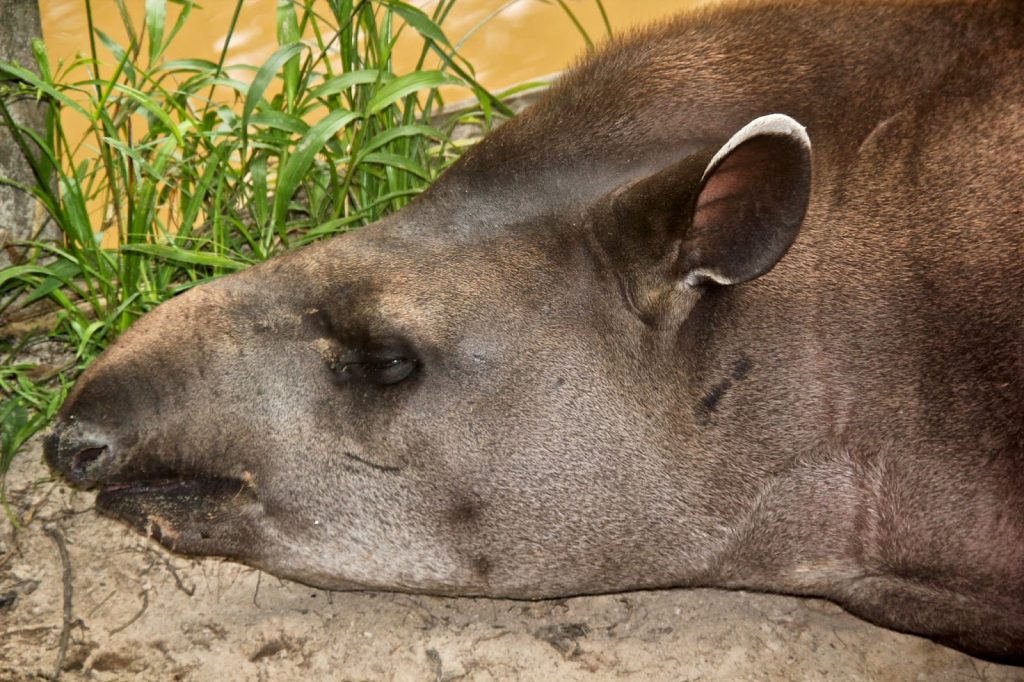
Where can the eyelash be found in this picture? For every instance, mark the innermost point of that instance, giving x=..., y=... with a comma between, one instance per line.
x=384, y=372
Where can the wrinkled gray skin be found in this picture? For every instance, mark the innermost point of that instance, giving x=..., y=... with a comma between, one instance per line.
x=564, y=370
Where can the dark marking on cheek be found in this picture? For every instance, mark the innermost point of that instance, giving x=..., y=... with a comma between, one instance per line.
x=261, y=327
x=709, y=402
x=465, y=511
x=482, y=567
x=741, y=368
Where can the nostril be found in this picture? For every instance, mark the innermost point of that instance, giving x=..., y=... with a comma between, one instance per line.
x=81, y=462
x=82, y=455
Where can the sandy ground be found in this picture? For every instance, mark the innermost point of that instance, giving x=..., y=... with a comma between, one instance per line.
x=138, y=612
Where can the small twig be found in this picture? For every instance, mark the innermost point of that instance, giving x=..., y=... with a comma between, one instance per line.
x=105, y=600
x=190, y=591
x=145, y=605
x=30, y=630
x=256, y=593
x=65, y=633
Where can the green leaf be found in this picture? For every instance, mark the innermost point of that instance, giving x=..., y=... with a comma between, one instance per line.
x=287, y=24
x=264, y=76
x=156, y=19
x=470, y=81
x=203, y=184
x=133, y=153
x=42, y=59
x=416, y=18
x=579, y=26
x=21, y=272
x=288, y=33
x=186, y=10
x=260, y=201
x=126, y=22
x=179, y=255
x=300, y=161
x=280, y=121
x=396, y=161
x=13, y=71
x=62, y=273
x=86, y=334
x=331, y=227
x=406, y=85
x=120, y=54
x=391, y=134
x=196, y=65
x=346, y=81
x=524, y=87
x=153, y=107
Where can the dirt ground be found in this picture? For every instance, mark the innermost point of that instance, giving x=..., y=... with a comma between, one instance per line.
x=137, y=612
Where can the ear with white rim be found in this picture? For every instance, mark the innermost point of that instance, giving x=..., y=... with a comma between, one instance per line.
x=700, y=222
x=750, y=203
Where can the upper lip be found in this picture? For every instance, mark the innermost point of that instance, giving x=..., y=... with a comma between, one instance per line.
x=205, y=487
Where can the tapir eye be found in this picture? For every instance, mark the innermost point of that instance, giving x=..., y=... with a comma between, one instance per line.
x=377, y=370
x=390, y=370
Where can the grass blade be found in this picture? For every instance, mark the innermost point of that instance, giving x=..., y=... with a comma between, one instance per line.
x=156, y=19
x=406, y=85
x=264, y=76
x=179, y=255
x=299, y=162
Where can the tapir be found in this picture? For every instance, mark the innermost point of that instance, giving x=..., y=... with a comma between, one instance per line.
x=739, y=303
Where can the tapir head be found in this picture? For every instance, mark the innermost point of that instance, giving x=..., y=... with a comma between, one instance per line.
x=453, y=407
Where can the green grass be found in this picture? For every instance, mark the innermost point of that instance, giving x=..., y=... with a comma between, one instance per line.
x=204, y=168
x=32, y=398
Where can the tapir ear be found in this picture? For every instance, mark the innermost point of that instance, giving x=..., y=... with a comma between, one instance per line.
x=749, y=203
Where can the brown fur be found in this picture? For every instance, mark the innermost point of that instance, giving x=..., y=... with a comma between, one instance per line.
x=576, y=417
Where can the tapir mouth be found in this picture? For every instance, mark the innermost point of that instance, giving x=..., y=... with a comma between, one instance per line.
x=115, y=494
x=199, y=516
x=186, y=509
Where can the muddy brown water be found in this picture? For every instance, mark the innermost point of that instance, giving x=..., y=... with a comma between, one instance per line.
x=507, y=42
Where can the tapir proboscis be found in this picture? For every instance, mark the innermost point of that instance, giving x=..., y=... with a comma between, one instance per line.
x=739, y=303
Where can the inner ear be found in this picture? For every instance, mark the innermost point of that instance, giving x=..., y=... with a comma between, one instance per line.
x=750, y=203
